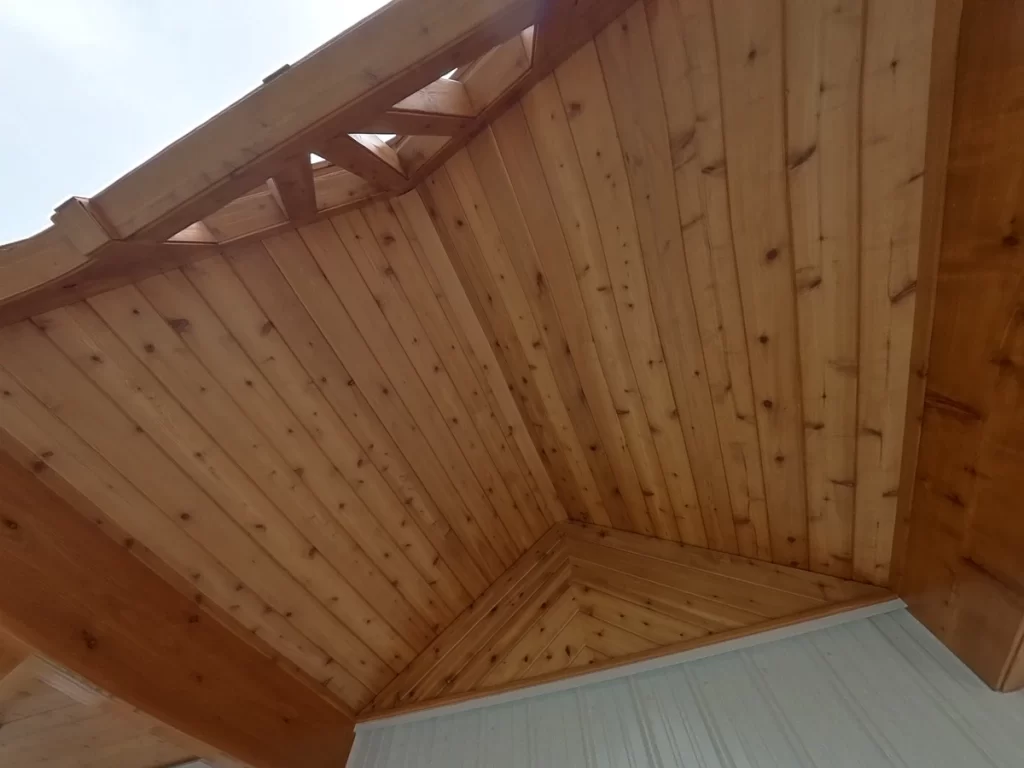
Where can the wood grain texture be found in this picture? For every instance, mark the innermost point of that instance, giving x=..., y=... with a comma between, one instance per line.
x=664, y=286
x=305, y=432
x=962, y=569
x=80, y=599
x=589, y=595
x=664, y=241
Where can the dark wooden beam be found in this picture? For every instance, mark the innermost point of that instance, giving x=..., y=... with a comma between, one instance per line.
x=963, y=570
x=76, y=597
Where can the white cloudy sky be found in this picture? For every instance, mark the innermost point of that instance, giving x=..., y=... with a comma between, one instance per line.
x=91, y=88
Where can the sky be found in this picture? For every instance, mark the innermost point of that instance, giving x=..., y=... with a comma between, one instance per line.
x=89, y=89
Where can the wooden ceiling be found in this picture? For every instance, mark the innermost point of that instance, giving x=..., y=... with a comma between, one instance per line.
x=589, y=597
x=665, y=284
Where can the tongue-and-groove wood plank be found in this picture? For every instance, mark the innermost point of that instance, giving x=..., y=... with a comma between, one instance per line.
x=639, y=297
x=618, y=595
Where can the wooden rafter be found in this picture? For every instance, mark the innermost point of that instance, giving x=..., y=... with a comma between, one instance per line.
x=293, y=189
x=366, y=156
x=352, y=79
x=363, y=81
x=440, y=109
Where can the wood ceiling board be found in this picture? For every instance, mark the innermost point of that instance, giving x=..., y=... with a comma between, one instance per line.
x=343, y=432
x=442, y=277
x=120, y=626
x=534, y=623
x=557, y=445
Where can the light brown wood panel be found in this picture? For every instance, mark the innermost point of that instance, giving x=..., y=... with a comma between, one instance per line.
x=236, y=307
x=962, y=572
x=823, y=61
x=682, y=35
x=627, y=60
x=665, y=286
x=646, y=504
x=611, y=596
x=442, y=277
x=122, y=512
x=751, y=58
x=292, y=441
x=79, y=598
x=543, y=412
x=397, y=378
x=641, y=392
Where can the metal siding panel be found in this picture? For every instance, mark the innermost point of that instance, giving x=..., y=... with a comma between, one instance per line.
x=880, y=691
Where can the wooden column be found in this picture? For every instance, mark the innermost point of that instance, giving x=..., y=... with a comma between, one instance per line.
x=963, y=567
x=76, y=597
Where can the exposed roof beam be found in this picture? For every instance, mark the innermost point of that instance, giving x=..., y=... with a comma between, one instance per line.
x=439, y=109
x=293, y=189
x=360, y=74
x=367, y=156
x=79, y=598
x=116, y=263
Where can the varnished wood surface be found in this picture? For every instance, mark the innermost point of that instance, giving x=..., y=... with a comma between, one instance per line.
x=588, y=597
x=314, y=432
x=679, y=245
x=77, y=598
x=963, y=575
x=669, y=291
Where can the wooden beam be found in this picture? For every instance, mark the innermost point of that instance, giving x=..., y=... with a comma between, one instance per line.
x=293, y=189
x=360, y=74
x=962, y=574
x=439, y=109
x=116, y=263
x=368, y=157
x=942, y=88
x=587, y=19
x=81, y=600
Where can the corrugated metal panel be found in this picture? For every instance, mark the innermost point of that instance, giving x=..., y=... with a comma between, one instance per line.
x=876, y=692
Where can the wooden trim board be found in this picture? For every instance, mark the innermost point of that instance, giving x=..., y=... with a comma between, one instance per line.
x=624, y=596
x=613, y=669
